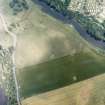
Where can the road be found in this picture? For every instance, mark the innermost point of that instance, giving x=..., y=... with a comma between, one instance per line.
x=13, y=54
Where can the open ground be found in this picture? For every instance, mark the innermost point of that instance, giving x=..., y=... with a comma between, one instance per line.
x=47, y=48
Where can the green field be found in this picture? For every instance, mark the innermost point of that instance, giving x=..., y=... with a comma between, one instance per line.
x=51, y=54
x=59, y=72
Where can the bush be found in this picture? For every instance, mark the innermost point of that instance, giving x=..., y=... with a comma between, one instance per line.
x=18, y=5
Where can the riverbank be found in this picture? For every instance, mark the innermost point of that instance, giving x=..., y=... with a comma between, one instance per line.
x=78, y=27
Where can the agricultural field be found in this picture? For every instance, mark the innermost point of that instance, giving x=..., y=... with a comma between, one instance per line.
x=53, y=61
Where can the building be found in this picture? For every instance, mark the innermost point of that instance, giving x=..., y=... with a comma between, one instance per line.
x=87, y=7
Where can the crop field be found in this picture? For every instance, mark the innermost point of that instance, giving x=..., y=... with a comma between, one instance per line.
x=52, y=55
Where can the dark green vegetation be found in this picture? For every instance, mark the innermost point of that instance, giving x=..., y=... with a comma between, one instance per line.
x=92, y=26
x=58, y=73
x=58, y=5
x=103, y=23
x=8, y=83
x=18, y=5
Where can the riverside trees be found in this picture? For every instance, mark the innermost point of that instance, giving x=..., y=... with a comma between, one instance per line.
x=58, y=5
x=18, y=5
x=92, y=26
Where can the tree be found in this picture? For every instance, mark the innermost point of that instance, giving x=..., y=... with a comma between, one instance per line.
x=103, y=23
x=18, y=5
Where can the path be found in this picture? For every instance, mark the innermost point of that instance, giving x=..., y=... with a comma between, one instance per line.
x=13, y=54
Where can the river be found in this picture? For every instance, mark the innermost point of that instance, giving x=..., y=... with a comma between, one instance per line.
x=78, y=27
